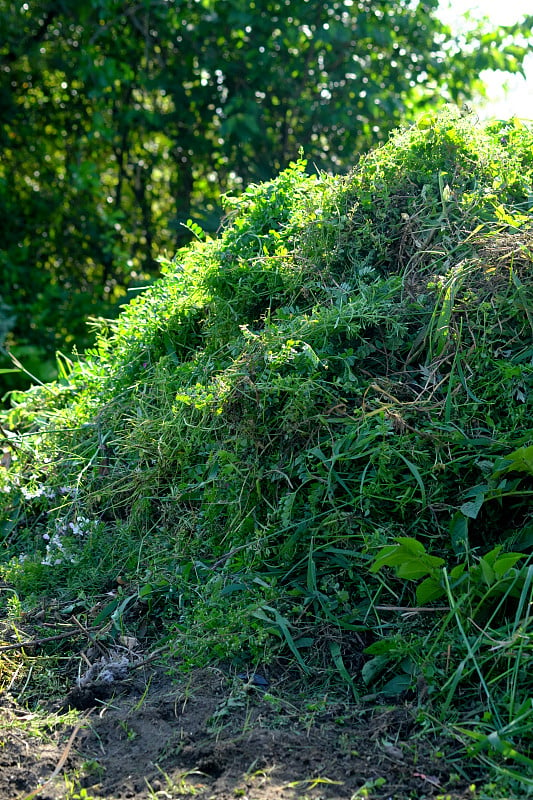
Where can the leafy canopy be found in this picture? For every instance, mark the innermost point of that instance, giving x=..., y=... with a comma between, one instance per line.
x=122, y=122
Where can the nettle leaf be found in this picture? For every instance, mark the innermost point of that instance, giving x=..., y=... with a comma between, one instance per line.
x=492, y=567
x=397, y=685
x=504, y=564
x=525, y=538
x=492, y=556
x=382, y=647
x=520, y=460
x=408, y=558
x=459, y=533
x=373, y=668
x=486, y=571
x=500, y=565
x=472, y=507
x=429, y=590
x=416, y=568
x=388, y=556
x=394, y=554
x=457, y=573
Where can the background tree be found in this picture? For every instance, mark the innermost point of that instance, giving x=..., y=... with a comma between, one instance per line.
x=123, y=120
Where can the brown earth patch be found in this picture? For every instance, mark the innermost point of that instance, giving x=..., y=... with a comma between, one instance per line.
x=213, y=736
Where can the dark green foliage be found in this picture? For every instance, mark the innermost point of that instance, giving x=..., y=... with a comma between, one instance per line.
x=121, y=124
x=339, y=384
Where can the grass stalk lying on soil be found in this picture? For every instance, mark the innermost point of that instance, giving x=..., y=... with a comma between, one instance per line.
x=307, y=425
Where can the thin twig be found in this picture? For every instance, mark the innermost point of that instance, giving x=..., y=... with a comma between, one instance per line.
x=88, y=634
x=35, y=642
x=412, y=608
x=150, y=657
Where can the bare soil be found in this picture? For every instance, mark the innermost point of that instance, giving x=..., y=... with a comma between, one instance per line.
x=212, y=735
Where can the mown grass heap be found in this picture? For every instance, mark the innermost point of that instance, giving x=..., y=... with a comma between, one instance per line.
x=315, y=420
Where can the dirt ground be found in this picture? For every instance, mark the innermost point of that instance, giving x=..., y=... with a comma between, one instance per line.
x=212, y=735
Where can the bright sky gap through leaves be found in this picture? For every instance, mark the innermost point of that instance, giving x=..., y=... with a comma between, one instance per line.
x=507, y=95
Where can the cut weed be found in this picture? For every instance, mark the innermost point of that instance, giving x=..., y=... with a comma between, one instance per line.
x=309, y=444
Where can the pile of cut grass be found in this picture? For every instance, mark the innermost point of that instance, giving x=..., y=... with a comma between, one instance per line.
x=309, y=424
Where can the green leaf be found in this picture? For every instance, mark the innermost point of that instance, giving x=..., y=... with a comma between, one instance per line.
x=508, y=750
x=417, y=567
x=459, y=533
x=520, y=460
x=505, y=563
x=495, y=742
x=393, y=554
x=416, y=474
x=524, y=540
x=429, y=590
x=231, y=588
x=304, y=642
x=397, y=685
x=408, y=557
x=335, y=650
x=457, y=572
x=487, y=571
x=388, y=556
x=472, y=507
x=373, y=668
x=382, y=646
x=106, y=612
